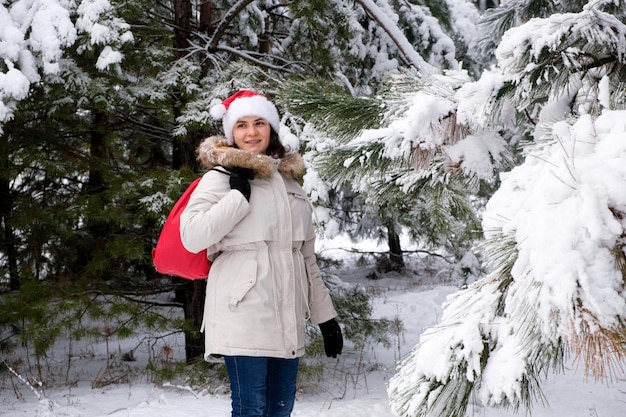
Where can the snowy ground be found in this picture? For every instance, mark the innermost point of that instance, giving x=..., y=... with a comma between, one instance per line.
x=416, y=302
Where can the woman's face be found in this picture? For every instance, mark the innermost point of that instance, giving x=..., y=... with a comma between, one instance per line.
x=252, y=134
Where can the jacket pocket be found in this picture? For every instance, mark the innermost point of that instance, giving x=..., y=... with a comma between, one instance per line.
x=299, y=197
x=246, y=276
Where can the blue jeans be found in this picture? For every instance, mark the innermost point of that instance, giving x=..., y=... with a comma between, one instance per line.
x=262, y=387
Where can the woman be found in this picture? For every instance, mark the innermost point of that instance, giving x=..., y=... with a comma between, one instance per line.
x=264, y=283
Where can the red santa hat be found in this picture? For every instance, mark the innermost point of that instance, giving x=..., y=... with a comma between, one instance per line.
x=244, y=103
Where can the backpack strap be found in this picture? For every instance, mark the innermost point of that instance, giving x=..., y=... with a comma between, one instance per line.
x=220, y=169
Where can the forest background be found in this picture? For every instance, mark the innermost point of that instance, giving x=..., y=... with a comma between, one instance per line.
x=406, y=112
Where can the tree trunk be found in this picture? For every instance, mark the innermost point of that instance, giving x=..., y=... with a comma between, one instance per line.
x=182, y=26
x=7, y=244
x=184, y=149
x=206, y=18
x=192, y=293
x=98, y=229
x=396, y=259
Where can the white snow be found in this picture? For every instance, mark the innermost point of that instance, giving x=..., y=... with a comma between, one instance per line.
x=558, y=204
x=475, y=153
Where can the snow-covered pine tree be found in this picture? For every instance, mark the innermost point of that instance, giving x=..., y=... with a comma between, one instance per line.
x=360, y=141
x=37, y=36
x=358, y=42
x=77, y=146
x=62, y=64
x=403, y=153
x=554, y=230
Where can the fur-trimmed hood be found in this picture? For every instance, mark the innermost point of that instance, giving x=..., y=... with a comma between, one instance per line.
x=215, y=151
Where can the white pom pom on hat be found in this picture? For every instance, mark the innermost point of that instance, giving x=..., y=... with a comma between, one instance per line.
x=217, y=111
x=244, y=103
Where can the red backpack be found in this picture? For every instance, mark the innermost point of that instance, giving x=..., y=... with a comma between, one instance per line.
x=170, y=256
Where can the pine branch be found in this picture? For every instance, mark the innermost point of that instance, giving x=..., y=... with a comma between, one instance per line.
x=586, y=42
x=249, y=57
x=349, y=163
x=331, y=109
x=229, y=16
x=407, y=50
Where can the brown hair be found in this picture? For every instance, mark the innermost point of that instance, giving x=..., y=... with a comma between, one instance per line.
x=275, y=149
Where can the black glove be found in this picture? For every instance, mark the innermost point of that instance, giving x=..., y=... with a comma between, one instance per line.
x=333, y=339
x=239, y=180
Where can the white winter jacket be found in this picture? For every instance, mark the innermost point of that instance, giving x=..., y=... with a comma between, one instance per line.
x=264, y=282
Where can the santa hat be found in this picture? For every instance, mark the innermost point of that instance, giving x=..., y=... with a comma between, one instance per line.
x=244, y=103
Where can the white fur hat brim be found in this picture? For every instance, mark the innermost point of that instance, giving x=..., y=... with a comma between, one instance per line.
x=256, y=105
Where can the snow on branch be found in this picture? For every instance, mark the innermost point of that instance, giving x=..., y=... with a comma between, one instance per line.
x=420, y=122
x=35, y=36
x=397, y=36
x=544, y=55
x=225, y=22
x=555, y=236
